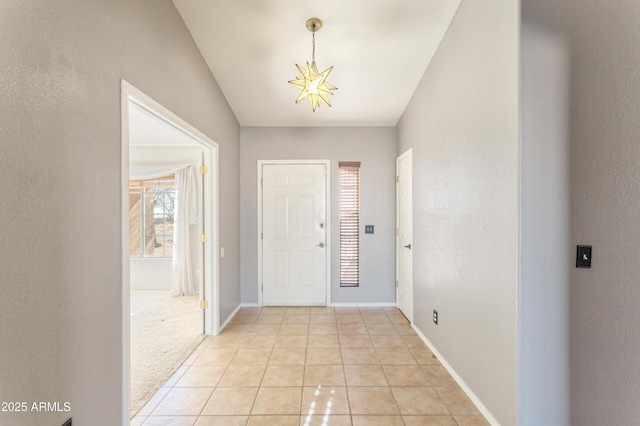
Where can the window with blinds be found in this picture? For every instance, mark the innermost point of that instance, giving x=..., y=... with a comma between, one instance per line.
x=349, y=224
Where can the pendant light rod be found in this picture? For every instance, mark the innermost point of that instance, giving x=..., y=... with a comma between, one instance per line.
x=313, y=25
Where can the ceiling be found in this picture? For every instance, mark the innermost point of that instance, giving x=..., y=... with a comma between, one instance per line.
x=147, y=129
x=379, y=50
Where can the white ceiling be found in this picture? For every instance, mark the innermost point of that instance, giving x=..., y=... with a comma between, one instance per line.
x=146, y=129
x=379, y=50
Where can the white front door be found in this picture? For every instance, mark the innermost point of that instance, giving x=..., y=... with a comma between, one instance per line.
x=404, y=218
x=294, y=231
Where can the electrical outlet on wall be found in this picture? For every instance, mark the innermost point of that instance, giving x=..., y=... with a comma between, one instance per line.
x=435, y=317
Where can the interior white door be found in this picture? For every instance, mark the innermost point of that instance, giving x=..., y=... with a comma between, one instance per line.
x=294, y=201
x=404, y=218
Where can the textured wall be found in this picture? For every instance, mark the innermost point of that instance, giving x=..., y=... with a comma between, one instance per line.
x=545, y=224
x=375, y=148
x=603, y=41
x=463, y=126
x=60, y=251
x=605, y=201
x=605, y=177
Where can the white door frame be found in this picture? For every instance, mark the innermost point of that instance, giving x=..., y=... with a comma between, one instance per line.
x=327, y=164
x=131, y=95
x=406, y=155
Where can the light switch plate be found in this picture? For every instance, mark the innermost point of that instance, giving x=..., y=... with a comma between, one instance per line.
x=583, y=257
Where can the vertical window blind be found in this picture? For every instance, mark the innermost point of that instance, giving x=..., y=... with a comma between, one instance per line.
x=349, y=224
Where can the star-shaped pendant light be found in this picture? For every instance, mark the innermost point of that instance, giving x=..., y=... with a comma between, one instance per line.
x=314, y=84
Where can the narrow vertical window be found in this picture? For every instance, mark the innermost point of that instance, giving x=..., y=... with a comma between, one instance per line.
x=349, y=224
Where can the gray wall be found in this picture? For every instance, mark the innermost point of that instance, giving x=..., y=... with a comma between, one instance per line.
x=603, y=41
x=605, y=187
x=545, y=252
x=61, y=307
x=463, y=126
x=375, y=148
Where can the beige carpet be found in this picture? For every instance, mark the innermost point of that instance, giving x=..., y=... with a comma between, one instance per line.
x=164, y=332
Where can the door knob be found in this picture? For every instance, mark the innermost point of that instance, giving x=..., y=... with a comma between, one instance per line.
x=408, y=246
x=321, y=245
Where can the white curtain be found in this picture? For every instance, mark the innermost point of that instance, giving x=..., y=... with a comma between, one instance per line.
x=185, y=215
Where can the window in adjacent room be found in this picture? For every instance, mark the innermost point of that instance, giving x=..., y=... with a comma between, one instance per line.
x=151, y=217
x=349, y=224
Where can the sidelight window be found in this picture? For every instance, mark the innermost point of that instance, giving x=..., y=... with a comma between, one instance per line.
x=349, y=224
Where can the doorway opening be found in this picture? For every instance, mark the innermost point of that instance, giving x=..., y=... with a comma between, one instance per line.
x=154, y=138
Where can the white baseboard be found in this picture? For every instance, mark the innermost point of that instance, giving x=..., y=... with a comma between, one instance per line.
x=230, y=317
x=335, y=305
x=363, y=305
x=472, y=396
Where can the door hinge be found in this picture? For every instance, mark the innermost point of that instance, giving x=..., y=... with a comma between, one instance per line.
x=397, y=178
x=397, y=232
x=262, y=235
x=204, y=238
x=397, y=283
x=261, y=181
x=204, y=304
x=262, y=288
x=203, y=170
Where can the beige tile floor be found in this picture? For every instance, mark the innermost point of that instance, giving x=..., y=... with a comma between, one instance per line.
x=312, y=366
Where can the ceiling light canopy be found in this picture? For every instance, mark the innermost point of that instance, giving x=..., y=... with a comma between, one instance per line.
x=314, y=84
